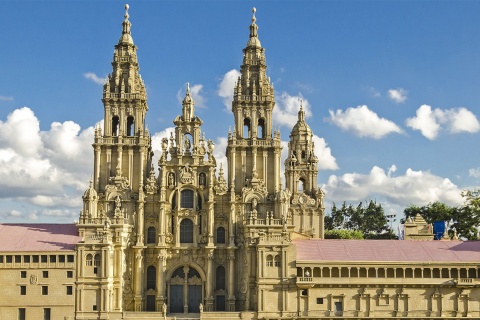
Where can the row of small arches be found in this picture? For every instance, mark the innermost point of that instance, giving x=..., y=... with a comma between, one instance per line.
x=363, y=272
x=116, y=126
x=247, y=128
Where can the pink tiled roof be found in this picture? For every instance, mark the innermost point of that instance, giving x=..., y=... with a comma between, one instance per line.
x=387, y=250
x=38, y=237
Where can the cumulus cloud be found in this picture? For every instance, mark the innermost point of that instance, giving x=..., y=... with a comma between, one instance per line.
x=398, y=95
x=326, y=161
x=430, y=122
x=363, y=122
x=413, y=187
x=197, y=95
x=93, y=77
x=225, y=87
x=6, y=98
x=43, y=168
x=286, y=109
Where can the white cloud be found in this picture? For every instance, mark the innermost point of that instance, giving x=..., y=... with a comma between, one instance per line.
x=462, y=120
x=414, y=187
x=286, y=109
x=44, y=168
x=6, y=98
x=92, y=76
x=196, y=93
x=225, y=87
x=398, y=95
x=326, y=161
x=430, y=122
x=363, y=122
x=15, y=213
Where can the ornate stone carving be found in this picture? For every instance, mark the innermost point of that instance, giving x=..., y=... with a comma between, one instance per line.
x=186, y=174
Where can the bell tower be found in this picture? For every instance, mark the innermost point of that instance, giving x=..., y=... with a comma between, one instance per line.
x=253, y=149
x=301, y=174
x=124, y=146
x=112, y=220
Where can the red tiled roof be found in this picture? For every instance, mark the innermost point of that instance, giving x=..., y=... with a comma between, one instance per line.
x=38, y=237
x=387, y=250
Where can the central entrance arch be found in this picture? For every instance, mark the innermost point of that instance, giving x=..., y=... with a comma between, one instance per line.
x=185, y=290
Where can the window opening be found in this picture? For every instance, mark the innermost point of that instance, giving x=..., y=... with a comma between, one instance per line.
x=186, y=200
x=246, y=128
x=115, y=126
x=186, y=231
x=151, y=278
x=130, y=126
x=151, y=235
x=261, y=129
x=220, y=235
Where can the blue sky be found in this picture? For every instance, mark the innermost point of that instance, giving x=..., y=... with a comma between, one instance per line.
x=391, y=90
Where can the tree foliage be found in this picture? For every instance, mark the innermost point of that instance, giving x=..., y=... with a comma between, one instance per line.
x=343, y=234
x=369, y=219
x=464, y=219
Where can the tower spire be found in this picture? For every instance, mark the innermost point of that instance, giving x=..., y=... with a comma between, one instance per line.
x=126, y=35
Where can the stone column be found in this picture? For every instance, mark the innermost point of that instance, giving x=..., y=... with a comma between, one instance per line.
x=231, y=289
x=138, y=278
x=210, y=279
x=161, y=281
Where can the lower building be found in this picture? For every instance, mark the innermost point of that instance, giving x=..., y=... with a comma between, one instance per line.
x=38, y=271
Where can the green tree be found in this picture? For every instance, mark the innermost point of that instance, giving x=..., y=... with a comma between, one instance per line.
x=369, y=219
x=464, y=220
x=343, y=234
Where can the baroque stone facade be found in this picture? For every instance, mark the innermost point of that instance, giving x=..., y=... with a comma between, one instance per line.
x=190, y=237
x=193, y=241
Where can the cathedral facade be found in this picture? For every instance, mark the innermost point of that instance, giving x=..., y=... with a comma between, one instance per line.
x=192, y=241
x=191, y=238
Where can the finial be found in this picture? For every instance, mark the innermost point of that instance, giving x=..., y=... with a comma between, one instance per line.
x=188, y=87
x=126, y=11
x=253, y=14
x=301, y=104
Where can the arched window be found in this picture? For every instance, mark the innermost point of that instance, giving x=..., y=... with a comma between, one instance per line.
x=220, y=278
x=261, y=129
x=304, y=154
x=186, y=231
x=186, y=200
x=301, y=184
x=151, y=278
x=115, y=126
x=269, y=261
x=89, y=260
x=96, y=260
x=246, y=128
x=151, y=235
x=130, y=126
x=220, y=235
x=277, y=261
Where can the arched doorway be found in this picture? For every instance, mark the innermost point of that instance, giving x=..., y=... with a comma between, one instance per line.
x=185, y=290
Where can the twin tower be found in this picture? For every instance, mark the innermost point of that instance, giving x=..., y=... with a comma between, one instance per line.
x=192, y=239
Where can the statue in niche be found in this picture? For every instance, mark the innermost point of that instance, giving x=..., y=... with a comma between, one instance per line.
x=118, y=203
x=254, y=208
x=187, y=144
x=171, y=180
x=202, y=179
